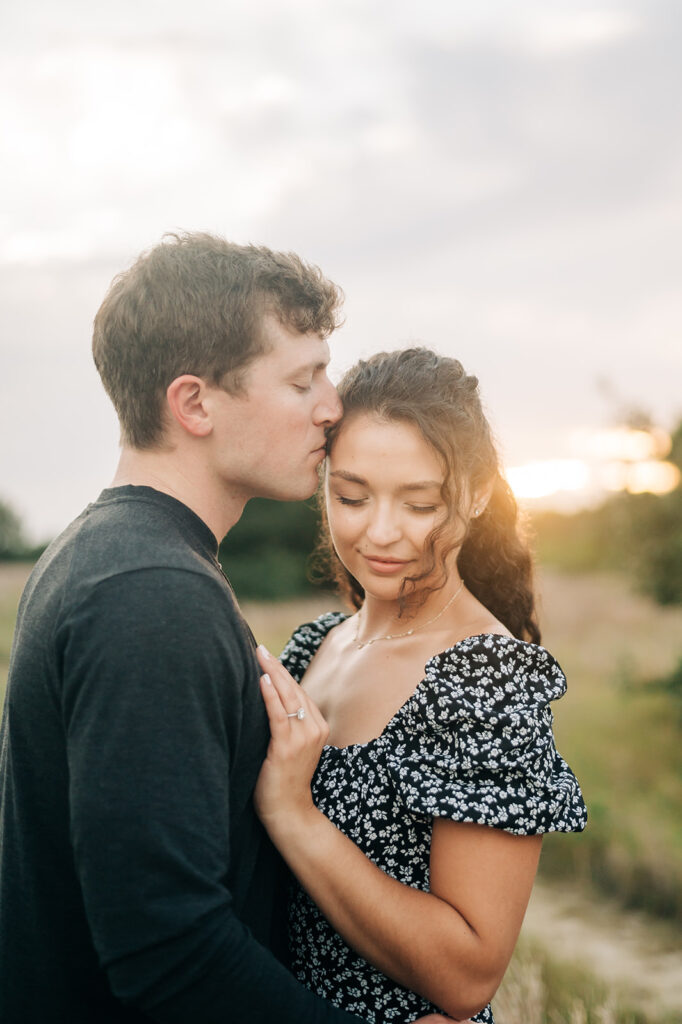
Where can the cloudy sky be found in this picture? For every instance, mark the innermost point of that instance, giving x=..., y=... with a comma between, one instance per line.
x=502, y=181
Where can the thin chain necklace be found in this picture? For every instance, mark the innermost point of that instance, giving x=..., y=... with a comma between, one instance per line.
x=396, y=636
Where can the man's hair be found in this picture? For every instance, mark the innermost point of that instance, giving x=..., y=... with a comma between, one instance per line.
x=195, y=304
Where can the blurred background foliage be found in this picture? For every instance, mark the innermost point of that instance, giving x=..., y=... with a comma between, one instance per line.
x=266, y=554
x=638, y=534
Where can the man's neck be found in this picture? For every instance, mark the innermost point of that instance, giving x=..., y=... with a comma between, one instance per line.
x=187, y=481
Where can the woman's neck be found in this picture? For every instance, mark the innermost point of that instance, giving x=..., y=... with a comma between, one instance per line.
x=384, y=619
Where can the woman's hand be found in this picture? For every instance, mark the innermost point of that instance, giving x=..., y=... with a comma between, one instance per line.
x=282, y=796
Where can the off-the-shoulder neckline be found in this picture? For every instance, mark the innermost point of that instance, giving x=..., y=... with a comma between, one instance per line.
x=339, y=617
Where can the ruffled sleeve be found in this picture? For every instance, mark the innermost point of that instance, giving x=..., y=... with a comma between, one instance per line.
x=302, y=647
x=476, y=742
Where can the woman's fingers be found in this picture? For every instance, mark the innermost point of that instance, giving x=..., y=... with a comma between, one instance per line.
x=292, y=697
x=291, y=694
x=277, y=715
x=287, y=687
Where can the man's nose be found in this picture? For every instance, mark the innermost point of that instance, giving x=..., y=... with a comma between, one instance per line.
x=329, y=409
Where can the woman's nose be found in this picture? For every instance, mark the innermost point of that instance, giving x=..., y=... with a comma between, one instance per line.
x=383, y=527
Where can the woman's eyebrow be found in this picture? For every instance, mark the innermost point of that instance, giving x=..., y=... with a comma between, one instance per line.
x=350, y=477
x=418, y=485
x=422, y=485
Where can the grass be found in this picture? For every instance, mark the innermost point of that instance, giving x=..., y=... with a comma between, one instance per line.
x=13, y=575
x=540, y=990
x=621, y=738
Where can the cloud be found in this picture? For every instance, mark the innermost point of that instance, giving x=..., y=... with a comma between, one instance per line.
x=559, y=33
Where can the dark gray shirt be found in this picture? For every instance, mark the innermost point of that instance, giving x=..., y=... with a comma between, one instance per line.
x=135, y=879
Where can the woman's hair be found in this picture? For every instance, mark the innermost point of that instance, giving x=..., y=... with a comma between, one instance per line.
x=434, y=394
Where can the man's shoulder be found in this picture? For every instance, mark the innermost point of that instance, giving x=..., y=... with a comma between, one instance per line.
x=117, y=544
x=125, y=533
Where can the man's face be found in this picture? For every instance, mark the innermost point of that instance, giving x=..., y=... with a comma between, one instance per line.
x=270, y=437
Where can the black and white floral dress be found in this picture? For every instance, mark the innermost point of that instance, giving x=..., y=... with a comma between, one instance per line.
x=473, y=743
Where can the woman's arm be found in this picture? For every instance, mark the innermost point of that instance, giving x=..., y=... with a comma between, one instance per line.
x=452, y=944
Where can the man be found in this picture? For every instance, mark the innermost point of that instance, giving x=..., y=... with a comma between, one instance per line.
x=135, y=881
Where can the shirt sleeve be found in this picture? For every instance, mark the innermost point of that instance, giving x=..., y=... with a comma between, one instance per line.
x=153, y=683
x=478, y=744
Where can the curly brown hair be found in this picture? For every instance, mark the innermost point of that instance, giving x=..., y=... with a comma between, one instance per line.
x=434, y=393
x=195, y=304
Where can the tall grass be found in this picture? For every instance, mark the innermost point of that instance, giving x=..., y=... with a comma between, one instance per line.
x=622, y=739
x=13, y=576
x=538, y=989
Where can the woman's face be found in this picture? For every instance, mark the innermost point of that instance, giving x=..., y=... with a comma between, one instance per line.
x=383, y=495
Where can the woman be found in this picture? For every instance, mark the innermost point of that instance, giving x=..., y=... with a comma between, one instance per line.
x=416, y=851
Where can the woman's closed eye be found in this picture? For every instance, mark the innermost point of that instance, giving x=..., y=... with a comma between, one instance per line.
x=353, y=502
x=423, y=508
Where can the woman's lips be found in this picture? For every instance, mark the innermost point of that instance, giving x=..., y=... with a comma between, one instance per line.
x=385, y=566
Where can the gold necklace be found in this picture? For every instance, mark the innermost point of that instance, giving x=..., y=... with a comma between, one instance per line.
x=396, y=636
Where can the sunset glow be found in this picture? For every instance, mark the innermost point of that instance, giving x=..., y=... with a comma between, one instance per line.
x=621, y=459
x=643, y=477
x=542, y=478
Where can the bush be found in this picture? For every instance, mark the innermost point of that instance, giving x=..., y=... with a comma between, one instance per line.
x=265, y=554
x=657, y=541
x=599, y=538
x=640, y=534
x=13, y=544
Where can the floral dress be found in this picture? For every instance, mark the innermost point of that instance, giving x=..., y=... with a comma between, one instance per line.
x=473, y=743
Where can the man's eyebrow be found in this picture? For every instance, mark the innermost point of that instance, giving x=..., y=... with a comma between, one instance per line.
x=312, y=367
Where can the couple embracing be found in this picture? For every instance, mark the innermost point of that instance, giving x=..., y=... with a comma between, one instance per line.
x=195, y=831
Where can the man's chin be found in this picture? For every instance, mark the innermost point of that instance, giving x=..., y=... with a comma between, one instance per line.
x=300, y=491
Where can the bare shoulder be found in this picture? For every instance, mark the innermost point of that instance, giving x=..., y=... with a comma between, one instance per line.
x=477, y=620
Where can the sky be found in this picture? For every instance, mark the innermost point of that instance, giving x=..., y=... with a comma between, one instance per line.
x=501, y=182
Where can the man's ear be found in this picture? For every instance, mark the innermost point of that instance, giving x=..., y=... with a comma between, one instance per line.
x=186, y=397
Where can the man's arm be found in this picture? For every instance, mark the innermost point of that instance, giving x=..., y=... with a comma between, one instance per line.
x=151, y=706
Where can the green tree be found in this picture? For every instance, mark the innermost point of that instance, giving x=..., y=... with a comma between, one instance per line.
x=12, y=541
x=265, y=554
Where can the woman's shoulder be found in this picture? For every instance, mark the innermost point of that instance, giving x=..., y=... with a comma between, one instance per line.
x=494, y=671
x=306, y=640
x=477, y=741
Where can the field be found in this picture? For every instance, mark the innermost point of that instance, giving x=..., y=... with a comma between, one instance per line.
x=583, y=958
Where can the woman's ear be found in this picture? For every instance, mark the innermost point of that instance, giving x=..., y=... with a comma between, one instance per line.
x=186, y=397
x=481, y=499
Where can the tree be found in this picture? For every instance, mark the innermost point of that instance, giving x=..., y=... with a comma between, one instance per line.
x=265, y=554
x=12, y=541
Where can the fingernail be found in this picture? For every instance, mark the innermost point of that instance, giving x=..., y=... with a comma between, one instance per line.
x=266, y=679
x=264, y=651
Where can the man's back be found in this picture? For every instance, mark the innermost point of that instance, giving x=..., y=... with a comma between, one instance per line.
x=130, y=662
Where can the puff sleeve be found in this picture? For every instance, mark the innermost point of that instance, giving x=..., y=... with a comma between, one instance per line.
x=477, y=742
